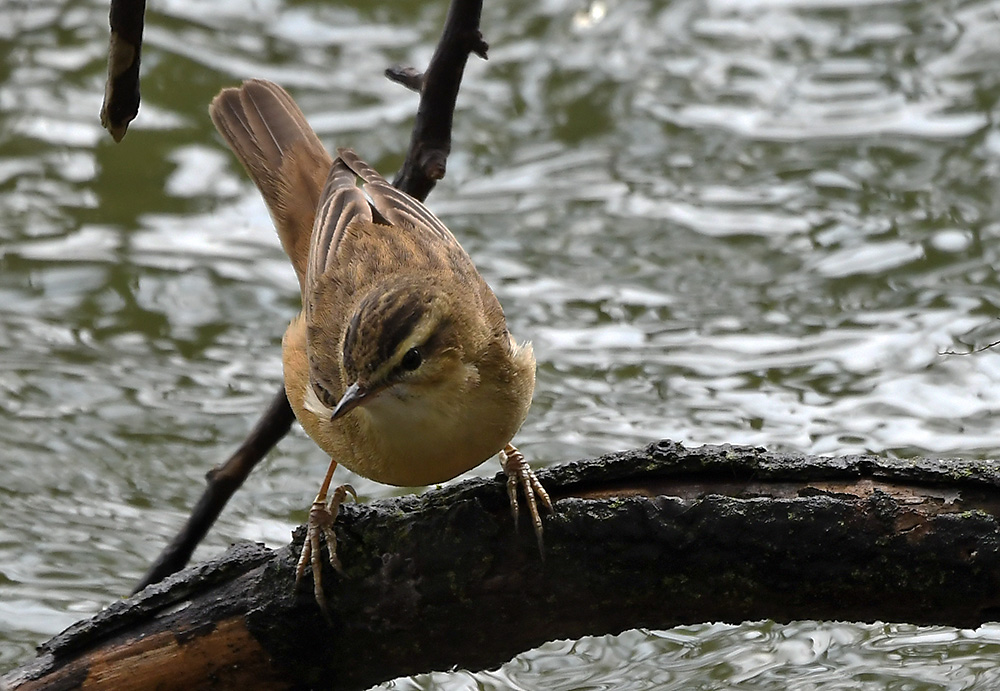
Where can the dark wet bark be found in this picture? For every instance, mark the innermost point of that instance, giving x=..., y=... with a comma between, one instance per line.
x=648, y=538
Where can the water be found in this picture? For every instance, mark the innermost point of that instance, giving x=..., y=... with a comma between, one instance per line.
x=754, y=222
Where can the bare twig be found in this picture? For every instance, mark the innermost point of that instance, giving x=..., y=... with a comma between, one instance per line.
x=223, y=481
x=409, y=77
x=121, y=93
x=430, y=141
x=980, y=349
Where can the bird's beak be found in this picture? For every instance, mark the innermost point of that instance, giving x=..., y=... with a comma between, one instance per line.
x=352, y=398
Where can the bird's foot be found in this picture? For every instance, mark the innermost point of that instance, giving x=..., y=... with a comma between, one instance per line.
x=520, y=474
x=322, y=514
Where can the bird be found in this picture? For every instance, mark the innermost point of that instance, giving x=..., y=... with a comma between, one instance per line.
x=400, y=365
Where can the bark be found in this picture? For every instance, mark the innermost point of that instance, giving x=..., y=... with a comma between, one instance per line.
x=648, y=538
x=430, y=140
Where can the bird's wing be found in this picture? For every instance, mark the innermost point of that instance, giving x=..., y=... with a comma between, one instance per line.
x=355, y=235
x=395, y=206
x=341, y=204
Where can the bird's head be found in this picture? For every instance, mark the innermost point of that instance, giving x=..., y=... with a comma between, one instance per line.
x=410, y=341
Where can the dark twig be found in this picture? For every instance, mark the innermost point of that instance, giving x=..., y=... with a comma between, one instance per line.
x=988, y=346
x=430, y=141
x=223, y=481
x=121, y=93
x=407, y=76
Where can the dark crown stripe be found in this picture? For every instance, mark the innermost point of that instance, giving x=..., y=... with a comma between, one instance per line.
x=379, y=326
x=399, y=321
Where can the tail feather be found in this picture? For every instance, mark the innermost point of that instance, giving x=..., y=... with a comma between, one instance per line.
x=282, y=154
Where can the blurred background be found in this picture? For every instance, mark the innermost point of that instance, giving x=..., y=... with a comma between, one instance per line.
x=749, y=221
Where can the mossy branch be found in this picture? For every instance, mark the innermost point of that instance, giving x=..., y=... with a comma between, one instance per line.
x=648, y=538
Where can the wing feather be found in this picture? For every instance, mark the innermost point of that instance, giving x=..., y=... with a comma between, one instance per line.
x=394, y=205
x=341, y=203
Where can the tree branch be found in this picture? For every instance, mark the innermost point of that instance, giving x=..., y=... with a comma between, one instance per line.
x=121, y=92
x=223, y=481
x=430, y=141
x=648, y=538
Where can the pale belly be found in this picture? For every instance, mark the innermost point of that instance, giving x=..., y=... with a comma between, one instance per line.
x=419, y=444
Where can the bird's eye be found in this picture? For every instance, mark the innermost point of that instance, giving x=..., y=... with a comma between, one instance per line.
x=323, y=395
x=411, y=360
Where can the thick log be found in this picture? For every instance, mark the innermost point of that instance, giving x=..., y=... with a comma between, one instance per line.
x=648, y=538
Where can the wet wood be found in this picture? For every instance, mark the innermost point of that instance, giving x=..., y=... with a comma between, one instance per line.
x=653, y=537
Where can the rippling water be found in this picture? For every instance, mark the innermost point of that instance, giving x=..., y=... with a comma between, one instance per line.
x=755, y=222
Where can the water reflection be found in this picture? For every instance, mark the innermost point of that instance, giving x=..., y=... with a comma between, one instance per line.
x=800, y=655
x=749, y=222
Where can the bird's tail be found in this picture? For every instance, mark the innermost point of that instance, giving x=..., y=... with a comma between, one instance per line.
x=282, y=154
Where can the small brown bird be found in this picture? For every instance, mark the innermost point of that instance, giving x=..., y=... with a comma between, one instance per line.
x=400, y=365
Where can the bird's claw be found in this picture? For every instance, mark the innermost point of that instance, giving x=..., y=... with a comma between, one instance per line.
x=319, y=527
x=520, y=474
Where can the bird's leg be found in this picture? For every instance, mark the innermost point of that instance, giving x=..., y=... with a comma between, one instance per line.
x=519, y=473
x=322, y=514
